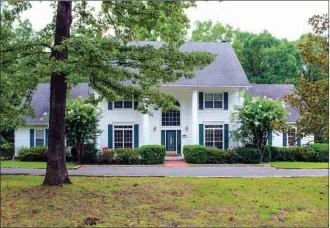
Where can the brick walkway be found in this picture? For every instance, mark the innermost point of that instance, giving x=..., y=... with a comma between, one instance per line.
x=178, y=163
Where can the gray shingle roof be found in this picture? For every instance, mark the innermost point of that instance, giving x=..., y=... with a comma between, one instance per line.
x=225, y=70
x=274, y=91
x=41, y=100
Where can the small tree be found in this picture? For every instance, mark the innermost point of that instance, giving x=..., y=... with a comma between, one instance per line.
x=81, y=123
x=312, y=102
x=257, y=117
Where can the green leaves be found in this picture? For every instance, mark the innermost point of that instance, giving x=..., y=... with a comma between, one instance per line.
x=256, y=118
x=312, y=102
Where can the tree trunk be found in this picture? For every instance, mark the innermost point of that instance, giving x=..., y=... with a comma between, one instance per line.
x=56, y=173
x=78, y=151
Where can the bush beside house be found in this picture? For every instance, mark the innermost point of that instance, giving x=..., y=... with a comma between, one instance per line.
x=197, y=154
x=148, y=154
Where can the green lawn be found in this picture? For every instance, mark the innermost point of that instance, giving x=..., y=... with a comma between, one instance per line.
x=300, y=165
x=167, y=201
x=35, y=165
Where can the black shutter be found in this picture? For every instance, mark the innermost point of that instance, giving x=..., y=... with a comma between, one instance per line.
x=225, y=98
x=136, y=103
x=201, y=99
x=109, y=105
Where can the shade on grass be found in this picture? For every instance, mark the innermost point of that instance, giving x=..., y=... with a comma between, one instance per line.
x=31, y=165
x=165, y=201
x=300, y=165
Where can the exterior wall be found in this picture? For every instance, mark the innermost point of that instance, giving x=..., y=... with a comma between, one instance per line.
x=150, y=126
x=278, y=139
x=22, y=136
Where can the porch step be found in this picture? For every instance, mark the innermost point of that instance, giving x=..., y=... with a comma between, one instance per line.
x=170, y=154
x=174, y=158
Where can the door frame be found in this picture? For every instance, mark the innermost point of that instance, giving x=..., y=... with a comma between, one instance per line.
x=166, y=140
x=177, y=142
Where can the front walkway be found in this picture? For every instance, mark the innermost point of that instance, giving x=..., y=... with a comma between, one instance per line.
x=194, y=171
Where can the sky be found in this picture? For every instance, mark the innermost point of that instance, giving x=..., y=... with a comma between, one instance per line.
x=283, y=19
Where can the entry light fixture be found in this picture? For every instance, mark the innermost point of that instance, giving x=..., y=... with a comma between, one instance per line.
x=155, y=128
x=186, y=128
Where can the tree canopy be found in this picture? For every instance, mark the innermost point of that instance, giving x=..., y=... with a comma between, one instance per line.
x=96, y=47
x=208, y=32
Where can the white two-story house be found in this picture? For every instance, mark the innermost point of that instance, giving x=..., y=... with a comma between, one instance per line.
x=206, y=103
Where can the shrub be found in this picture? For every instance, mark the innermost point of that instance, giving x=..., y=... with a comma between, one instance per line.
x=321, y=151
x=90, y=155
x=127, y=156
x=152, y=154
x=38, y=153
x=217, y=156
x=108, y=156
x=195, y=154
x=247, y=155
x=22, y=150
x=7, y=151
x=293, y=154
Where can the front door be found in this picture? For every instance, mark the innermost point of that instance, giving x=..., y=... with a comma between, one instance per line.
x=171, y=140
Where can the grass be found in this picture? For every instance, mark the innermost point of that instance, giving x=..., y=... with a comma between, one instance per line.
x=300, y=165
x=168, y=201
x=30, y=165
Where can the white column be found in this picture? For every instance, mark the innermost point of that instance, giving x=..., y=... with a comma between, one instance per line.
x=145, y=127
x=194, y=119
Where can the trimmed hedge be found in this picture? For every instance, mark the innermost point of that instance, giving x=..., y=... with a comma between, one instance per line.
x=195, y=154
x=152, y=154
x=321, y=151
x=249, y=155
x=127, y=156
x=38, y=153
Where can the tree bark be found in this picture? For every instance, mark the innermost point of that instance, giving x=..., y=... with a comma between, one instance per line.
x=56, y=173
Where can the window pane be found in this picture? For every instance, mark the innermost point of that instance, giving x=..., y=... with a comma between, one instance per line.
x=217, y=135
x=118, y=145
x=217, y=96
x=209, y=144
x=208, y=104
x=208, y=135
x=217, y=104
x=39, y=142
x=118, y=136
x=218, y=145
x=118, y=104
x=39, y=134
x=209, y=96
x=171, y=118
x=128, y=104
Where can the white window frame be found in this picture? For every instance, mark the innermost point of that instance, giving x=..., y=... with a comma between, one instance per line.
x=222, y=100
x=288, y=138
x=114, y=106
x=113, y=133
x=35, y=136
x=213, y=128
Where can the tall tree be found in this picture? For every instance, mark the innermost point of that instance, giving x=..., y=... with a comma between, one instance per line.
x=56, y=172
x=315, y=48
x=100, y=52
x=208, y=32
x=266, y=59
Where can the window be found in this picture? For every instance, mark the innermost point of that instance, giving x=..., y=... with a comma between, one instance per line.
x=214, y=136
x=123, y=136
x=40, y=137
x=213, y=100
x=171, y=118
x=123, y=104
x=292, y=137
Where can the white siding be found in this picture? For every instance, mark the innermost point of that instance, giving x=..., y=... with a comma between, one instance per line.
x=278, y=139
x=184, y=96
x=22, y=136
